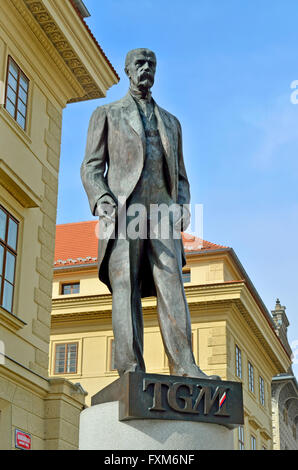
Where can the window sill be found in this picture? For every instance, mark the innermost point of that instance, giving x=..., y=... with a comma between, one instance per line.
x=111, y=373
x=67, y=376
x=68, y=295
x=14, y=185
x=14, y=125
x=11, y=321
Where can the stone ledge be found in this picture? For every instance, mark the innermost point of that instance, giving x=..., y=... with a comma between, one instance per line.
x=11, y=321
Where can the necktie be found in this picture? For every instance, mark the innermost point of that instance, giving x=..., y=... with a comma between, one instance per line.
x=146, y=108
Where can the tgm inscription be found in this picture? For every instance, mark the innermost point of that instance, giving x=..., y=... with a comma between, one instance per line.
x=188, y=398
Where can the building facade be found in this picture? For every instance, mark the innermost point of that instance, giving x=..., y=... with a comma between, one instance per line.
x=48, y=58
x=284, y=393
x=233, y=333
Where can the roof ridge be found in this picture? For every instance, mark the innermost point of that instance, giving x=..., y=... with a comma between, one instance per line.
x=216, y=244
x=77, y=223
x=202, y=239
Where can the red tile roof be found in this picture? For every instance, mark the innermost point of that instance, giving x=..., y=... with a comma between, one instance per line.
x=76, y=244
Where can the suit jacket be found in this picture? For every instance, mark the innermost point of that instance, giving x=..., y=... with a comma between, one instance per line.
x=114, y=160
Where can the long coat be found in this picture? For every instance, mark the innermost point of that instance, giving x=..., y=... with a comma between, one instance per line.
x=114, y=160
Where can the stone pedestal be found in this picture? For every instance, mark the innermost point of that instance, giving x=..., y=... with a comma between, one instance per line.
x=142, y=411
x=100, y=429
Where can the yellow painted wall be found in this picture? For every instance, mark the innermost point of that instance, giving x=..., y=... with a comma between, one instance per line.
x=218, y=324
x=29, y=165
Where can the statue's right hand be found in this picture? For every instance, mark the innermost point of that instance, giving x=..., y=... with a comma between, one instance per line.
x=106, y=208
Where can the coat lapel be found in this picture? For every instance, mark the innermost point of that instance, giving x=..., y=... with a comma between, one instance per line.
x=132, y=115
x=167, y=142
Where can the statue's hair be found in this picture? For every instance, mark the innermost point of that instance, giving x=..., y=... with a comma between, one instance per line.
x=131, y=53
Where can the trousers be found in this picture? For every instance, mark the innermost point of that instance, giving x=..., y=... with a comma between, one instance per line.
x=164, y=258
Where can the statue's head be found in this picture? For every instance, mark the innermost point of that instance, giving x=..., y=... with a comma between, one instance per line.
x=140, y=67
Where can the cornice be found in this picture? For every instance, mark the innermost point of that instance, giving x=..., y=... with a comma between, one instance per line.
x=227, y=289
x=59, y=49
x=80, y=300
x=23, y=7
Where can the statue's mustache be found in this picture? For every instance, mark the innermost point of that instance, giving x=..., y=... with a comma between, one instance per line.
x=145, y=76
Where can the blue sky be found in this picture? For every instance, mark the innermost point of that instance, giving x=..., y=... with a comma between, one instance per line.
x=225, y=69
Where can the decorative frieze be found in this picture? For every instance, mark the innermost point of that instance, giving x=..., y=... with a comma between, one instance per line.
x=62, y=46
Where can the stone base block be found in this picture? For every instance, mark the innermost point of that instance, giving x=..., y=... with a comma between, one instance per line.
x=100, y=429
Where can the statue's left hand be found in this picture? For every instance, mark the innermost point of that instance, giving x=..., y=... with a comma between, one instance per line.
x=106, y=209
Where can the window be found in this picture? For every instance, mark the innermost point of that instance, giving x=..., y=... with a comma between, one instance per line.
x=238, y=362
x=251, y=384
x=73, y=288
x=66, y=358
x=294, y=432
x=186, y=276
x=8, y=255
x=285, y=415
x=262, y=391
x=253, y=442
x=241, y=438
x=112, y=356
x=16, y=93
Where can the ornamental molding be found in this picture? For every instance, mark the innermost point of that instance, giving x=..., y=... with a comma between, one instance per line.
x=265, y=434
x=58, y=47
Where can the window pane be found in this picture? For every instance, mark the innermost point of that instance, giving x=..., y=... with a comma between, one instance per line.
x=60, y=359
x=113, y=367
x=10, y=107
x=7, y=296
x=3, y=220
x=24, y=82
x=21, y=108
x=75, y=289
x=186, y=277
x=1, y=258
x=72, y=358
x=66, y=289
x=12, y=234
x=71, y=289
x=21, y=120
x=10, y=267
x=262, y=396
x=13, y=69
x=238, y=363
x=23, y=95
x=12, y=82
x=11, y=95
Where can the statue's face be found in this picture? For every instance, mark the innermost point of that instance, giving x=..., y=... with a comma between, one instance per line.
x=141, y=69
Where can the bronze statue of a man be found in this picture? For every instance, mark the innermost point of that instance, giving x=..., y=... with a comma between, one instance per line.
x=134, y=153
